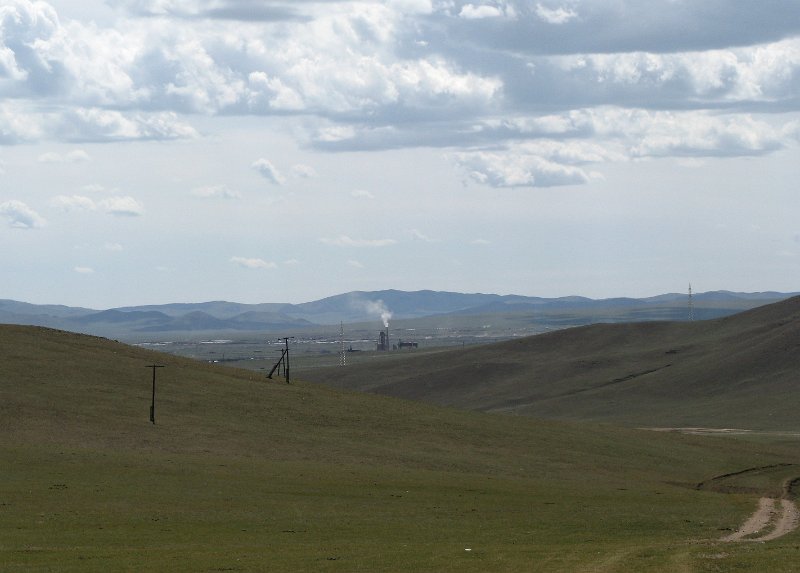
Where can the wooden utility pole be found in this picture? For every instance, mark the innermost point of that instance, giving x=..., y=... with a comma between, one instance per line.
x=153, y=402
x=284, y=359
x=286, y=341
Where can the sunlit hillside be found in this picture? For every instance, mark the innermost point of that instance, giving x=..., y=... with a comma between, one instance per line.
x=239, y=473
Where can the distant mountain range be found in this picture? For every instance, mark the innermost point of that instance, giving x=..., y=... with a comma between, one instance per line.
x=360, y=306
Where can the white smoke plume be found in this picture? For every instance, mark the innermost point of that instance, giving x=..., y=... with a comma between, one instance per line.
x=377, y=307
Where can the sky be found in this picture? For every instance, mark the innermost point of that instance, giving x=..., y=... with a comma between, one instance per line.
x=157, y=151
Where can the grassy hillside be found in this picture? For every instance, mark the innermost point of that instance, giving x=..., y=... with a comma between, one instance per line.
x=242, y=474
x=740, y=371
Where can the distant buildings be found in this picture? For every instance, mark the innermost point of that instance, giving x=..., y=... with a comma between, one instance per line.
x=383, y=342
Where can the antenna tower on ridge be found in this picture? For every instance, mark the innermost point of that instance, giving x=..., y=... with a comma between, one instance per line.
x=691, y=303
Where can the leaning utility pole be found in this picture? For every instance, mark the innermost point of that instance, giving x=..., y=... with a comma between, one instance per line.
x=153, y=402
x=284, y=359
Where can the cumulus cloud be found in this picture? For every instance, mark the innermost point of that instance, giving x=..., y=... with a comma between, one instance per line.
x=122, y=206
x=20, y=216
x=347, y=241
x=99, y=125
x=73, y=203
x=709, y=136
x=766, y=74
x=304, y=171
x=17, y=125
x=518, y=170
x=216, y=191
x=476, y=12
x=268, y=171
x=539, y=163
x=252, y=263
x=477, y=77
x=558, y=15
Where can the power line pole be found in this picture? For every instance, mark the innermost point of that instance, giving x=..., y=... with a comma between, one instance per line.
x=691, y=304
x=286, y=340
x=283, y=360
x=153, y=402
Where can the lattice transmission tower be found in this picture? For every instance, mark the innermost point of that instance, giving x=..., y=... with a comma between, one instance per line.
x=342, y=351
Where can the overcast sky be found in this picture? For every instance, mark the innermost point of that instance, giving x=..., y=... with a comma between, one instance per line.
x=156, y=151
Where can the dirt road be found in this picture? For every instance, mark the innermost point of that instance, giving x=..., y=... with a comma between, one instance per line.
x=774, y=518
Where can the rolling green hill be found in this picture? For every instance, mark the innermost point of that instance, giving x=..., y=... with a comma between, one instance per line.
x=244, y=474
x=737, y=372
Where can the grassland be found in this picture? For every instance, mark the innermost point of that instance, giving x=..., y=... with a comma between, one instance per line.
x=244, y=474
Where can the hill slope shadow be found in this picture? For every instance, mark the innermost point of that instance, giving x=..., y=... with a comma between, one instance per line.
x=738, y=371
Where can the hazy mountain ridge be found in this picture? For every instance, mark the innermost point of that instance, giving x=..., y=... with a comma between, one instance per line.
x=362, y=306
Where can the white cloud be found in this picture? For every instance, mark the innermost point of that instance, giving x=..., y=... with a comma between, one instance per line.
x=355, y=264
x=122, y=206
x=334, y=133
x=100, y=125
x=558, y=15
x=268, y=171
x=84, y=270
x=75, y=156
x=362, y=194
x=253, y=263
x=73, y=203
x=17, y=124
x=763, y=73
x=267, y=93
x=304, y=171
x=346, y=241
x=216, y=191
x=701, y=135
x=537, y=163
x=113, y=247
x=515, y=169
x=476, y=12
x=20, y=216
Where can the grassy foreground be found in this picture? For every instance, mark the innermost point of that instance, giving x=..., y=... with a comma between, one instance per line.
x=240, y=474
